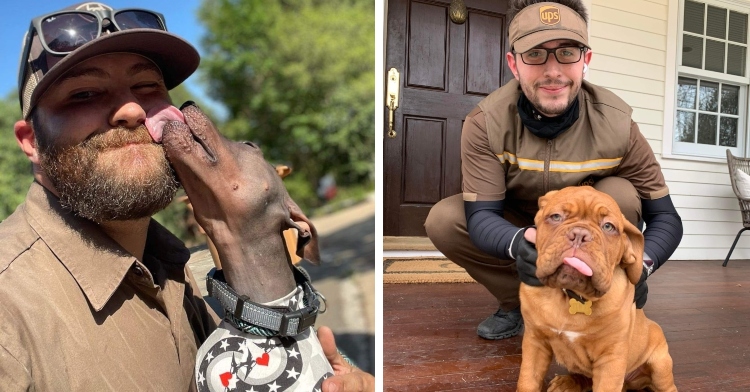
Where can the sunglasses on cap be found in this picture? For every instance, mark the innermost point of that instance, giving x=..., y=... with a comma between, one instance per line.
x=62, y=32
x=65, y=31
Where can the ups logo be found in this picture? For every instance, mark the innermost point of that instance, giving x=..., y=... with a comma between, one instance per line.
x=549, y=15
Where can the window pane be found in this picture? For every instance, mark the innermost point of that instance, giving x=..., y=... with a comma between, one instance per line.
x=728, y=132
x=684, y=127
x=686, y=92
x=736, y=60
x=714, y=56
x=716, y=22
x=730, y=99
x=709, y=97
x=693, y=17
x=707, y=129
x=737, y=27
x=692, y=51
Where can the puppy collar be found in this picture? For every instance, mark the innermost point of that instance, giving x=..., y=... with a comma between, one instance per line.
x=271, y=321
x=573, y=295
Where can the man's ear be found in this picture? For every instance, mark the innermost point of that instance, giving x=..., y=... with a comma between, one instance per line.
x=511, y=59
x=26, y=140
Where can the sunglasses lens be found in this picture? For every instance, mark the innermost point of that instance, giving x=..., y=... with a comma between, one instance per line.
x=66, y=32
x=138, y=20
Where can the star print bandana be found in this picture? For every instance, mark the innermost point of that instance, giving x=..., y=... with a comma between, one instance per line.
x=231, y=360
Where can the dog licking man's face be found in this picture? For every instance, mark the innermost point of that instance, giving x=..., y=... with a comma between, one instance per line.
x=582, y=237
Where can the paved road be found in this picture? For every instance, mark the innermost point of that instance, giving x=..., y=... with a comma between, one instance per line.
x=346, y=277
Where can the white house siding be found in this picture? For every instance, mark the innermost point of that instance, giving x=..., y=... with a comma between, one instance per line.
x=631, y=57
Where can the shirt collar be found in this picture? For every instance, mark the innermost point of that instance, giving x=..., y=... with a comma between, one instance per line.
x=96, y=261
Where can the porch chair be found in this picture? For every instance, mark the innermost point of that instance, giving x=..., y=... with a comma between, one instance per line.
x=739, y=175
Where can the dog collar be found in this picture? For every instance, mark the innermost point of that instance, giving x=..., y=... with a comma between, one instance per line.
x=577, y=303
x=271, y=321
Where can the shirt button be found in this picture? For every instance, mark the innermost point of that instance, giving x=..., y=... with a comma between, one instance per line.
x=137, y=270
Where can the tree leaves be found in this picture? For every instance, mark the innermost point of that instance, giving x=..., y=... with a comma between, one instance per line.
x=15, y=168
x=297, y=77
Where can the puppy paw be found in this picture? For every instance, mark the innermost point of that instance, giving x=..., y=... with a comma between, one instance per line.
x=569, y=383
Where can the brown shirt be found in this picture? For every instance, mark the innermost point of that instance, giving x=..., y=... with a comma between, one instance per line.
x=501, y=159
x=78, y=313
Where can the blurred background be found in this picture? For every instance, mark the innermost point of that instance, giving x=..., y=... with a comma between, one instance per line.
x=294, y=76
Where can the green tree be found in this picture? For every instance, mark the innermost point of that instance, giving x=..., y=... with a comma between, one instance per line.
x=297, y=77
x=15, y=168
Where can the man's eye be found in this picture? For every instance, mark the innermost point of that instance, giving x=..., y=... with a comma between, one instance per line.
x=534, y=54
x=82, y=95
x=147, y=86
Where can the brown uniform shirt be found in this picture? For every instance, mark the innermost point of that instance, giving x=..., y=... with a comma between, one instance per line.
x=78, y=313
x=510, y=162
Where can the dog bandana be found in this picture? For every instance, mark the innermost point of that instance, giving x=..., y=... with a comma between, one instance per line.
x=231, y=360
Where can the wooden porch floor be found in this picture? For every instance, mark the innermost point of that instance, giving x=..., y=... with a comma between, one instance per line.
x=430, y=341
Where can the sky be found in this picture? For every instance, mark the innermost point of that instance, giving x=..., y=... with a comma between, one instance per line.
x=181, y=20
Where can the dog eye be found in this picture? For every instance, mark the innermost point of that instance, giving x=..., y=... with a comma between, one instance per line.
x=555, y=217
x=608, y=227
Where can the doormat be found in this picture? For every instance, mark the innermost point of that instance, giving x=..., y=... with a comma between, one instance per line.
x=424, y=270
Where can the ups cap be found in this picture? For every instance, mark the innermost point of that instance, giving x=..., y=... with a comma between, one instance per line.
x=542, y=22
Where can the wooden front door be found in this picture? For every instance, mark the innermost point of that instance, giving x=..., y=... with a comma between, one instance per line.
x=445, y=70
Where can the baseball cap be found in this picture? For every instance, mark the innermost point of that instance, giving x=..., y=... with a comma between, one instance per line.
x=39, y=68
x=547, y=21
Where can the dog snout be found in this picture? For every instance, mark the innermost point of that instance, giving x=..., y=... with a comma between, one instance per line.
x=578, y=236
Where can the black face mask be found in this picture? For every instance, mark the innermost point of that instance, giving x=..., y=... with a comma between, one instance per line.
x=543, y=126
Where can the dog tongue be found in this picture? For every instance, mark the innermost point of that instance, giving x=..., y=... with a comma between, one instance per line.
x=579, y=265
x=157, y=117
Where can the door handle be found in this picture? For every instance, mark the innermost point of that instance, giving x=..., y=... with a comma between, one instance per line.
x=391, y=99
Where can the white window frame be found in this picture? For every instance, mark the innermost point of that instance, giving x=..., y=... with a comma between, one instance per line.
x=697, y=152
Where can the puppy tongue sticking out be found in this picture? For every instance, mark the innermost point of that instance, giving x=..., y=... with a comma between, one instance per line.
x=579, y=265
x=157, y=117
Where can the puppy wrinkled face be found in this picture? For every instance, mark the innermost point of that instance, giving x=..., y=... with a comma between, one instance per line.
x=581, y=239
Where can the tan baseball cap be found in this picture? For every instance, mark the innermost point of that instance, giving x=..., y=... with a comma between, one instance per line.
x=38, y=70
x=542, y=22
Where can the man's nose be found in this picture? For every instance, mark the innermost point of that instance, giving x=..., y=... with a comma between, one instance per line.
x=128, y=114
x=551, y=67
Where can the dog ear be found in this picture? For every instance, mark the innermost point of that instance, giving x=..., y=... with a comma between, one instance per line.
x=632, y=257
x=545, y=199
x=311, y=251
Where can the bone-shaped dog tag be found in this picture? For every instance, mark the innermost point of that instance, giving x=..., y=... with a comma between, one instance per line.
x=577, y=307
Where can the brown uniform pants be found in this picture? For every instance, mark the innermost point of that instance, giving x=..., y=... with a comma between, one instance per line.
x=446, y=227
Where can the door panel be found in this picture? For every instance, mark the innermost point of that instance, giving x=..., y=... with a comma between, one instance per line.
x=427, y=47
x=446, y=69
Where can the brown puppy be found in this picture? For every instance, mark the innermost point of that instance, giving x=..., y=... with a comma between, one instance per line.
x=590, y=258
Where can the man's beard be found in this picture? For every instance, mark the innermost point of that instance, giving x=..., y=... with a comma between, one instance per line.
x=551, y=109
x=103, y=189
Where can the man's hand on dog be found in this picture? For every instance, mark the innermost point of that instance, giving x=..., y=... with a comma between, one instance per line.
x=526, y=258
x=347, y=378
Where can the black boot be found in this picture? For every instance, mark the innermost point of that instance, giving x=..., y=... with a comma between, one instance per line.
x=501, y=325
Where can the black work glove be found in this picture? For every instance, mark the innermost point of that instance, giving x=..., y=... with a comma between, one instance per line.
x=526, y=256
x=641, y=290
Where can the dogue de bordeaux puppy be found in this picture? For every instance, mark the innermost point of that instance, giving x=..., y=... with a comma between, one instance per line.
x=590, y=258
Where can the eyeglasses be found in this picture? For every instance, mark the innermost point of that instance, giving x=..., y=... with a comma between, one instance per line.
x=564, y=55
x=66, y=31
